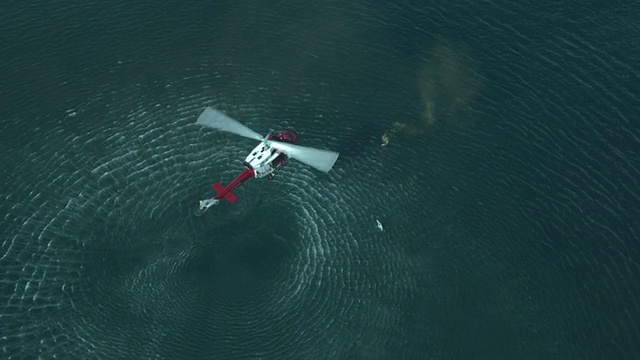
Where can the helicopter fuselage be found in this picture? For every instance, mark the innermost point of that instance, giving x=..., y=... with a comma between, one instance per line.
x=264, y=160
x=261, y=161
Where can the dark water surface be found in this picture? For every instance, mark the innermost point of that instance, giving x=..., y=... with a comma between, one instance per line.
x=508, y=191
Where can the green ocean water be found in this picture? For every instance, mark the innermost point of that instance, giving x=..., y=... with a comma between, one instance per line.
x=508, y=190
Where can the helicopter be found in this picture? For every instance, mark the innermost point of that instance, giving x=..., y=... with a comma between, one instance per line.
x=271, y=154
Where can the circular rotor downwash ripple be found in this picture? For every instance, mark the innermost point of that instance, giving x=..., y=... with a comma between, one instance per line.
x=508, y=234
x=104, y=257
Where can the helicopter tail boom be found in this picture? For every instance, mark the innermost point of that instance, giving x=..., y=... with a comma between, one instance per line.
x=229, y=196
x=225, y=191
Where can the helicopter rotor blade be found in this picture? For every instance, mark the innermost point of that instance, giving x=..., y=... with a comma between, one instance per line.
x=215, y=119
x=322, y=160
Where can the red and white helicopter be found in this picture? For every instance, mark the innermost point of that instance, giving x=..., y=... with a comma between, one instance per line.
x=270, y=155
